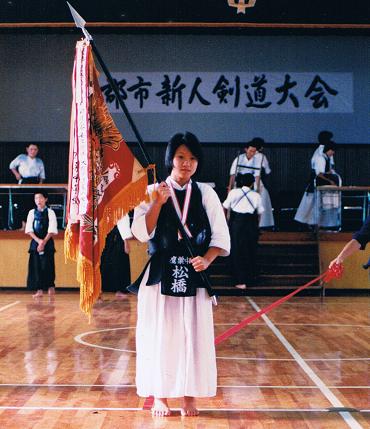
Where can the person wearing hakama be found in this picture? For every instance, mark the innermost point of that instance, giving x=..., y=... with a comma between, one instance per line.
x=252, y=162
x=174, y=334
x=325, y=213
x=41, y=225
x=115, y=261
x=245, y=207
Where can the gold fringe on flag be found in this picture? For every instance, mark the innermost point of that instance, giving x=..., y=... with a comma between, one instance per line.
x=71, y=240
x=88, y=275
x=90, y=284
x=127, y=199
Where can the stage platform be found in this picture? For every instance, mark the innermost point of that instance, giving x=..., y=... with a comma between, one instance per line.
x=14, y=258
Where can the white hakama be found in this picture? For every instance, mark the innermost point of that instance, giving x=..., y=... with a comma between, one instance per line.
x=320, y=213
x=324, y=208
x=267, y=217
x=174, y=344
x=175, y=335
x=306, y=209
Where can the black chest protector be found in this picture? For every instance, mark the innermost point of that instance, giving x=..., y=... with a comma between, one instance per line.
x=41, y=223
x=170, y=260
x=40, y=228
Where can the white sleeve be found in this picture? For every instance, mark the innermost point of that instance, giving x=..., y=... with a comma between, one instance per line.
x=266, y=165
x=123, y=226
x=42, y=170
x=138, y=226
x=227, y=202
x=53, y=224
x=220, y=236
x=233, y=166
x=14, y=163
x=29, y=223
x=319, y=165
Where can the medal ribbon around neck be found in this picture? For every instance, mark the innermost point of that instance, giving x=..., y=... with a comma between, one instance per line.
x=183, y=215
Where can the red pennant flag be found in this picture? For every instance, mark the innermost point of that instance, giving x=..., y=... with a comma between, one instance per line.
x=105, y=179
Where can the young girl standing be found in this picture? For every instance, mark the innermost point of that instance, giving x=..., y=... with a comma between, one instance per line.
x=41, y=226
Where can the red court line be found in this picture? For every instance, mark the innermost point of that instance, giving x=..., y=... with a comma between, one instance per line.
x=148, y=403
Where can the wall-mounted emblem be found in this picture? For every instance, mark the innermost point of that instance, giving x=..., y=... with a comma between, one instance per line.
x=241, y=5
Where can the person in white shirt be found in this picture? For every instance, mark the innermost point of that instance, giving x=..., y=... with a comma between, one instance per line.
x=175, y=351
x=28, y=168
x=323, y=211
x=245, y=207
x=251, y=161
x=41, y=226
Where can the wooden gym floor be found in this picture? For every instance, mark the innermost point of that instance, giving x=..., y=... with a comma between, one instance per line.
x=304, y=365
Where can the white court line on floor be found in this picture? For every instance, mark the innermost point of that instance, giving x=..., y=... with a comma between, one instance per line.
x=292, y=360
x=335, y=402
x=238, y=410
x=79, y=339
x=31, y=385
x=117, y=386
x=9, y=305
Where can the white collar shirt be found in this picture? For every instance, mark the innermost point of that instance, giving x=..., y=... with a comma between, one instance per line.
x=239, y=203
x=243, y=165
x=28, y=167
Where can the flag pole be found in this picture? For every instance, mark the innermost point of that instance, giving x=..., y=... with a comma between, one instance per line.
x=80, y=23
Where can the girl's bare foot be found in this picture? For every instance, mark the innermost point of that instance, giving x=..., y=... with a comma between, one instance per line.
x=161, y=408
x=51, y=291
x=189, y=409
x=38, y=294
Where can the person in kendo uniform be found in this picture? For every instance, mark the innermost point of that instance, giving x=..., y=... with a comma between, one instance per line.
x=322, y=173
x=253, y=162
x=174, y=334
x=41, y=226
x=245, y=207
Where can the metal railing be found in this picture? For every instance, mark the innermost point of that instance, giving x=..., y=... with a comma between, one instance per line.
x=329, y=204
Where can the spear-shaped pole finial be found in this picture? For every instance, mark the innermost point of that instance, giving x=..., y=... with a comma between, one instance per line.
x=79, y=21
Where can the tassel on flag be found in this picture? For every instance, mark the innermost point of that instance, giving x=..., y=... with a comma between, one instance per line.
x=105, y=179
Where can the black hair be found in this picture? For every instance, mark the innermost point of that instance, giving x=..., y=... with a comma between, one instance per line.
x=324, y=136
x=190, y=141
x=42, y=192
x=32, y=144
x=329, y=146
x=244, y=180
x=256, y=142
